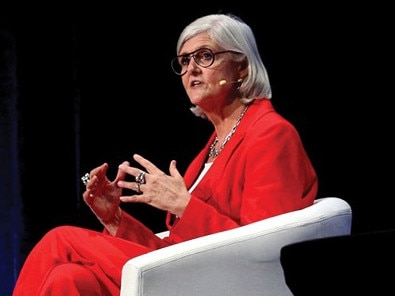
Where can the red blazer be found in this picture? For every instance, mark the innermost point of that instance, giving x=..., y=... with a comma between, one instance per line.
x=262, y=171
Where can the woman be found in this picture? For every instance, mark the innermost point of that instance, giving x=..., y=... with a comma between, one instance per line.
x=253, y=167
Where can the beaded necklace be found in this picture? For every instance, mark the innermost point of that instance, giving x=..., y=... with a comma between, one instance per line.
x=214, y=152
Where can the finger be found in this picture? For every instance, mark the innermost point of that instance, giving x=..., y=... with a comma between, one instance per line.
x=149, y=166
x=131, y=198
x=137, y=187
x=87, y=178
x=121, y=173
x=88, y=196
x=173, y=170
x=133, y=186
x=137, y=198
x=124, y=168
x=100, y=170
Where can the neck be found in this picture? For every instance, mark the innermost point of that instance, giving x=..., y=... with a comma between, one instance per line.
x=224, y=121
x=214, y=152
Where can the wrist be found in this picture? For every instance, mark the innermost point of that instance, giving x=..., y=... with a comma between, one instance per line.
x=112, y=226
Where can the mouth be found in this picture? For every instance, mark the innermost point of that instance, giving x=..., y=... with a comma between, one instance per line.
x=195, y=83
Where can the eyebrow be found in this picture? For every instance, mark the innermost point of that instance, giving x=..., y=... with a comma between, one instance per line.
x=201, y=47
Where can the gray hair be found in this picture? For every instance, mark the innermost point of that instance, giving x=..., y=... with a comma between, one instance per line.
x=231, y=33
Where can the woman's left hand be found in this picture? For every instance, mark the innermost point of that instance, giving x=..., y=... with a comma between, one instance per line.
x=166, y=192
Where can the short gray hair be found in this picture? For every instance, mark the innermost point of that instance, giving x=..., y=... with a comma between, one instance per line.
x=231, y=33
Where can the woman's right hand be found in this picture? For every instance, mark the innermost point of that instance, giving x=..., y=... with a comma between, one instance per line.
x=102, y=196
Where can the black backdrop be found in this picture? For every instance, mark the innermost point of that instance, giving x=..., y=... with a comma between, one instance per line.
x=96, y=86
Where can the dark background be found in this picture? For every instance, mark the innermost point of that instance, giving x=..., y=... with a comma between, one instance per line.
x=83, y=87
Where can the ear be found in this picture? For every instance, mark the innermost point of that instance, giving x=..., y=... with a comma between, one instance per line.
x=243, y=68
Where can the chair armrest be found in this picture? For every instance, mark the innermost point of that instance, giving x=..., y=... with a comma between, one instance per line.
x=241, y=261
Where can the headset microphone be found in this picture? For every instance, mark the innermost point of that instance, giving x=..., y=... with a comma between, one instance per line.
x=223, y=81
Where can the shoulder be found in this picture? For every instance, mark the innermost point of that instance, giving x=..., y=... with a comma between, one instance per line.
x=262, y=116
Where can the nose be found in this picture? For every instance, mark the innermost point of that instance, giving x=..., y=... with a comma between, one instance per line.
x=192, y=66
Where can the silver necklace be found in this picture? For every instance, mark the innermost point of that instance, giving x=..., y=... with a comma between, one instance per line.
x=214, y=152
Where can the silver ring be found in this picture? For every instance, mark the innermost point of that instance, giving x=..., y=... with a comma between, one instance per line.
x=138, y=187
x=85, y=178
x=140, y=178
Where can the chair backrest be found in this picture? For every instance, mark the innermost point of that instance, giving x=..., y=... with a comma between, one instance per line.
x=241, y=261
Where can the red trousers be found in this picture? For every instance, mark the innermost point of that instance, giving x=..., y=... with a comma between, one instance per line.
x=76, y=261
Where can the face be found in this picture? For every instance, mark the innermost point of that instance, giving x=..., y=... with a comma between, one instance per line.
x=202, y=84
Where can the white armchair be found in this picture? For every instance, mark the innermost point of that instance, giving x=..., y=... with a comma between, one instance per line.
x=242, y=261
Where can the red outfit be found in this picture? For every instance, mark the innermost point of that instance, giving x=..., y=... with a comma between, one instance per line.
x=262, y=171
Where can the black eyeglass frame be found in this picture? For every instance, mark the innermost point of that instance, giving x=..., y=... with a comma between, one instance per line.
x=193, y=54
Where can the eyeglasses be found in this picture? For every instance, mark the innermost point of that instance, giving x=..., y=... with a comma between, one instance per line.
x=204, y=57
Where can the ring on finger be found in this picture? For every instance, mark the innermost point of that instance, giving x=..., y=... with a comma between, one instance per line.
x=140, y=178
x=85, y=178
x=138, y=190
